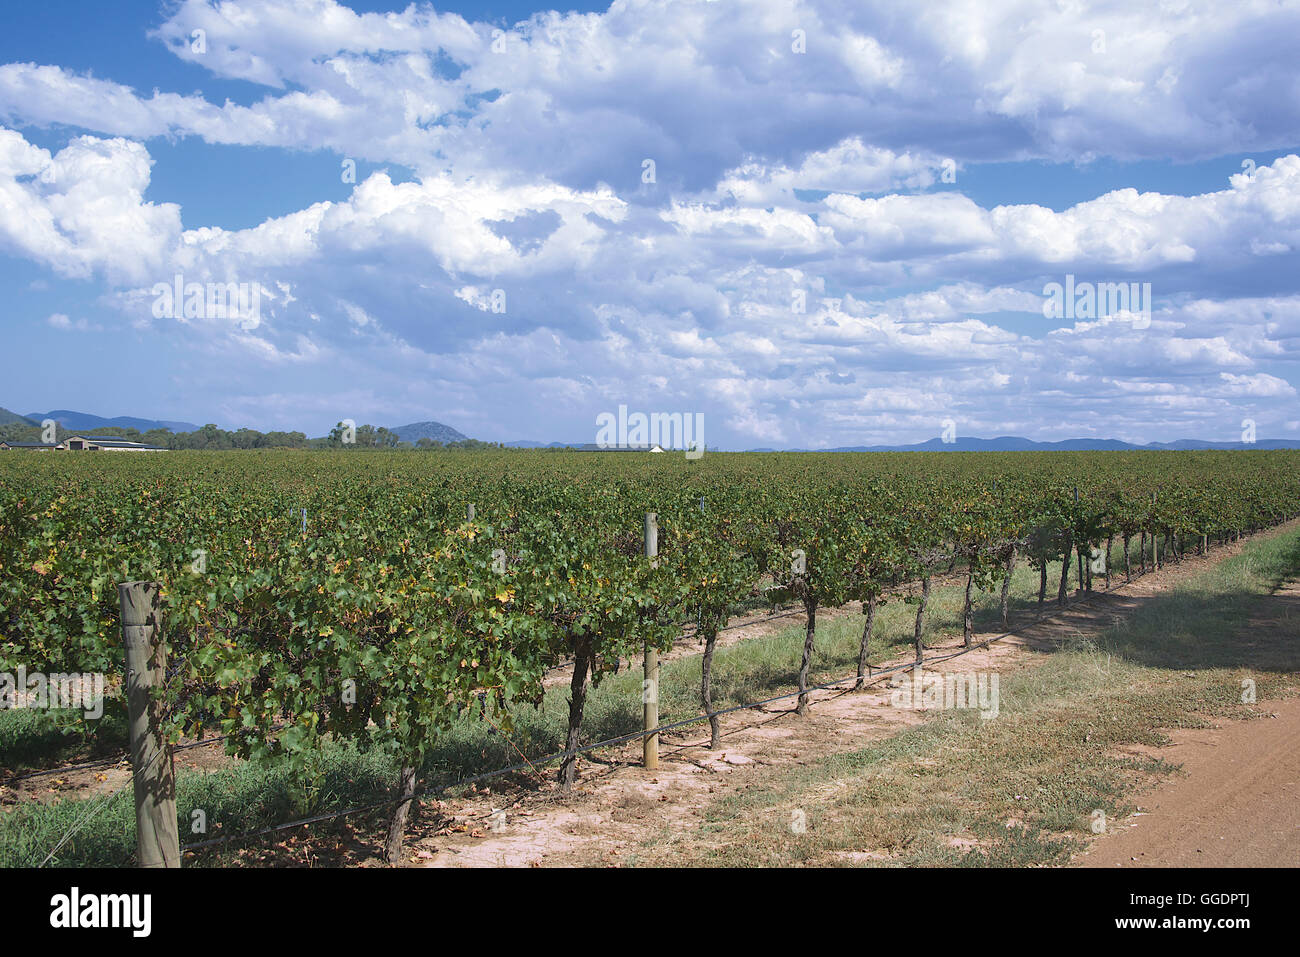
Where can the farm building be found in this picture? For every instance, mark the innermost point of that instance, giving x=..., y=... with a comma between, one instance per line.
x=104, y=443
x=27, y=446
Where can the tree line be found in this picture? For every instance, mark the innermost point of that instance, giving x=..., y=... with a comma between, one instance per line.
x=212, y=438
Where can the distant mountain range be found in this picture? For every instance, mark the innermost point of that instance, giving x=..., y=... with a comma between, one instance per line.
x=1003, y=443
x=434, y=431
x=86, y=422
x=1013, y=443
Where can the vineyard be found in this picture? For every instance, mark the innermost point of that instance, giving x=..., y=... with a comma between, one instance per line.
x=375, y=599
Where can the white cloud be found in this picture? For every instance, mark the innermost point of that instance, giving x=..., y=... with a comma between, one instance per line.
x=700, y=88
x=82, y=210
x=1261, y=384
x=60, y=321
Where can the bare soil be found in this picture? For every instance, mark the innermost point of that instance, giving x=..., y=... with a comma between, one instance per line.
x=1237, y=801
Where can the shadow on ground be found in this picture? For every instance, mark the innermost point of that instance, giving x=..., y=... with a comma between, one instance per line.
x=1222, y=621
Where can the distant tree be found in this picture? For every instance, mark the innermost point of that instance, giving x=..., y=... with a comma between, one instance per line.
x=335, y=439
x=284, y=440
x=17, y=432
x=211, y=438
x=126, y=434
x=208, y=437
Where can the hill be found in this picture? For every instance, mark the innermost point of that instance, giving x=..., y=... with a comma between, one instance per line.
x=13, y=418
x=87, y=421
x=435, y=431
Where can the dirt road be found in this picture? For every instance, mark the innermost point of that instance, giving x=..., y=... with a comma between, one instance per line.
x=1236, y=805
x=1237, y=802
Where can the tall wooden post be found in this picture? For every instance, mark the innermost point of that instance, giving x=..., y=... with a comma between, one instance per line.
x=650, y=687
x=1155, y=552
x=1079, y=549
x=157, y=839
x=469, y=512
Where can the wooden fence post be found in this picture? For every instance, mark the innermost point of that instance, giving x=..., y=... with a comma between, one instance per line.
x=469, y=512
x=650, y=686
x=157, y=839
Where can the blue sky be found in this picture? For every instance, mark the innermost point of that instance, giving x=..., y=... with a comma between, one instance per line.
x=852, y=219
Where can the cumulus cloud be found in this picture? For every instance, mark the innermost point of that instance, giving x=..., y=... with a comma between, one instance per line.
x=702, y=90
x=82, y=210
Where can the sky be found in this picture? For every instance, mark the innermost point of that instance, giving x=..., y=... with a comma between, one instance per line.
x=808, y=224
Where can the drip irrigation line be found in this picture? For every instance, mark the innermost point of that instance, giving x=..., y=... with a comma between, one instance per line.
x=84, y=766
x=92, y=812
x=873, y=677
x=96, y=808
x=247, y=835
x=109, y=762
